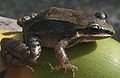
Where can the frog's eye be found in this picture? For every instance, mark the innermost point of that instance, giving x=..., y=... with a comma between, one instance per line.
x=101, y=15
x=95, y=27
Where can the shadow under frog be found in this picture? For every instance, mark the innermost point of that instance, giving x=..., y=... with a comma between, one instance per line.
x=76, y=51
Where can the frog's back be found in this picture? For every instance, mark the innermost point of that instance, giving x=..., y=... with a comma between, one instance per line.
x=55, y=13
x=63, y=14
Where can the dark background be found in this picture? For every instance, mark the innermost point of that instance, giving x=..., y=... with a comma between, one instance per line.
x=19, y=8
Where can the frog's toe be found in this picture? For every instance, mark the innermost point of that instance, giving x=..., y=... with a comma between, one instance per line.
x=67, y=67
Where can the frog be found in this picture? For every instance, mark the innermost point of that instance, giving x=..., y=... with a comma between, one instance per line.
x=57, y=28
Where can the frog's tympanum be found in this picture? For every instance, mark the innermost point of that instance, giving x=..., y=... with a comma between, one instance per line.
x=56, y=28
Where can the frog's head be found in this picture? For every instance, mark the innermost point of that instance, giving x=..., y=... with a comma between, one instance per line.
x=94, y=26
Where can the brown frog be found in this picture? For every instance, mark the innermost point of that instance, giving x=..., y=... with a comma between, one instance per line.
x=56, y=28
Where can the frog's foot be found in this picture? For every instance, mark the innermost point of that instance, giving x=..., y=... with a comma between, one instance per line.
x=67, y=67
x=49, y=64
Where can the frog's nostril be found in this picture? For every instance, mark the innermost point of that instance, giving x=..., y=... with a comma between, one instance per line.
x=109, y=32
x=101, y=15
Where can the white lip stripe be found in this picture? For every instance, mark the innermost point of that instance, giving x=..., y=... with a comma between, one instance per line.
x=99, y=35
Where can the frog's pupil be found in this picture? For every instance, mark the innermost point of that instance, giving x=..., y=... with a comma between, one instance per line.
x=100, y=15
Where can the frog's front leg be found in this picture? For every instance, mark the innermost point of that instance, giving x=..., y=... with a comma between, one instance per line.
x=62, y=57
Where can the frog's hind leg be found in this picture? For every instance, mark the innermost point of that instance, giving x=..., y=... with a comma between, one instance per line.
x=32, y=41
x=16, y=52
x=62, y=57
x=13, y=52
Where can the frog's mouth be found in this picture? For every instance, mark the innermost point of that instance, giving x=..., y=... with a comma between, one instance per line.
x=95, y=37
x=94, y=34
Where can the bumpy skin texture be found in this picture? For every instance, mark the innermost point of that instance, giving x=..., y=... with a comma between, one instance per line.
x=56, y=28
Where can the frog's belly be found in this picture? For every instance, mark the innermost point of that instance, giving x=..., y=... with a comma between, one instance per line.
x=51, y=43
